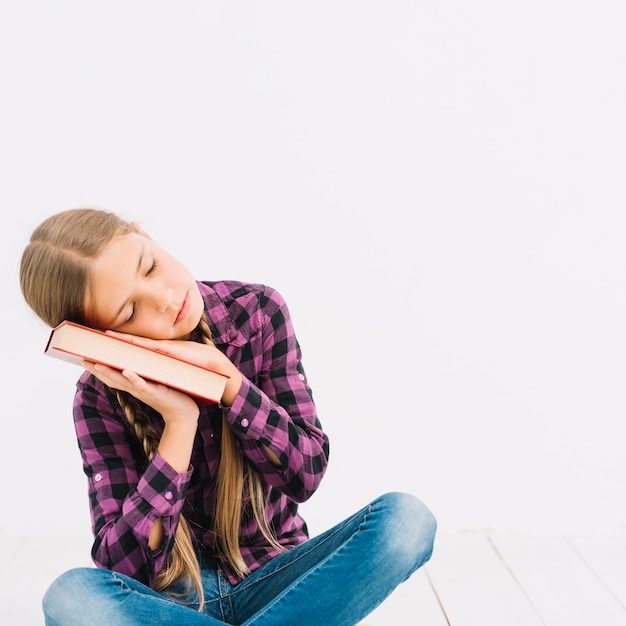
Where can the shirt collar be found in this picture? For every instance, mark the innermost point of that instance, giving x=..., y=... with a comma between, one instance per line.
x=223, y=327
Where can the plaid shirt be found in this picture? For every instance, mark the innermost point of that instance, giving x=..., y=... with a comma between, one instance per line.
x=251, y=325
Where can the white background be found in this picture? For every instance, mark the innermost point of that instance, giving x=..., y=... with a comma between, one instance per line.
x=437, y=189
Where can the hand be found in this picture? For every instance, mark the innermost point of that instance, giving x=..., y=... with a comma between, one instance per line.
x=173, y=405
x=204, y=355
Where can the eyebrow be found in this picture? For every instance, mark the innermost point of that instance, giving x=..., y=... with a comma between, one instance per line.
x=125, y=303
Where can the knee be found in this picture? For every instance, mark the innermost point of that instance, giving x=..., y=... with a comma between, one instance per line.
x=65, y=596
x=409, y=529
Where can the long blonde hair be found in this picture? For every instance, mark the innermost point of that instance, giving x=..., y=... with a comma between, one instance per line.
x=54, y=278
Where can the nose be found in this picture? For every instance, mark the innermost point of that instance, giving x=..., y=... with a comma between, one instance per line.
x=162, y=298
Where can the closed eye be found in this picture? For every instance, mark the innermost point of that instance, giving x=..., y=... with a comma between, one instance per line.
x=133, y=314
x=131, y=319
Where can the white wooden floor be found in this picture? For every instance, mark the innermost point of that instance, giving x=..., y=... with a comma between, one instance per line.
x=473, y=579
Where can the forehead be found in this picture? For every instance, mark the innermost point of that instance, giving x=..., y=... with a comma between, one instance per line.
x=112, y=276
x=119, y=257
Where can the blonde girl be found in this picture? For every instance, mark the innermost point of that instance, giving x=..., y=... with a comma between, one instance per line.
x=195, y=509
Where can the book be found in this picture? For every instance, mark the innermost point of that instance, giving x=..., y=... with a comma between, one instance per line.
x=76, y=343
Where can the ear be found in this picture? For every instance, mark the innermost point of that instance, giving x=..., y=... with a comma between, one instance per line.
x=139, y=230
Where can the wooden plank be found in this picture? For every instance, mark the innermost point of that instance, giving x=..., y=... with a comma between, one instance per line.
x=474, y=586
x=413, y=602
x=557, y=582
x=605, y=554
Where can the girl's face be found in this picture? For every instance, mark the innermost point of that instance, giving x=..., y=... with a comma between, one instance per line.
x=138, y=288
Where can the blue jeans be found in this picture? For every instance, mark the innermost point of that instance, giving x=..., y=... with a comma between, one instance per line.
x=334, y=579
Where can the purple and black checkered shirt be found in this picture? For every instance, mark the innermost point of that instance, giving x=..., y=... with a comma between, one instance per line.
x=251, y=325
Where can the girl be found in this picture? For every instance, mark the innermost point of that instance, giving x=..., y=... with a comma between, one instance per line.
x=195, y=510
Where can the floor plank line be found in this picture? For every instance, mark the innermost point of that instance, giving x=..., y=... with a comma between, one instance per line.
x=474, y=587
x=432, y=586
x=413, y=602
x=561, y=587
x=595, y=573
x=514, y=577
x=605, y=554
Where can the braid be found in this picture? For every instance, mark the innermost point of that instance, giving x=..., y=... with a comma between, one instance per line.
x=183, y=561
x=140, y=422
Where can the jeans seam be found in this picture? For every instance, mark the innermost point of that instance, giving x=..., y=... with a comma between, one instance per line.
x=121, y=583
x=225, y=595
x=268, y=607
x=304, y=553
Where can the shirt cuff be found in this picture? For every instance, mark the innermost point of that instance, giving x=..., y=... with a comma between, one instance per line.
x=162, y=487
x=248, y=414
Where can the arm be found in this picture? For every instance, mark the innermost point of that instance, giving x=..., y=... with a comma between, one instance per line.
x=179, y=413
x=135, y=506
x=175, y=448
x=273, y=415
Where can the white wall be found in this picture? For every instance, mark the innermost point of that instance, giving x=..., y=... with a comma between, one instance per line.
x=436, y=188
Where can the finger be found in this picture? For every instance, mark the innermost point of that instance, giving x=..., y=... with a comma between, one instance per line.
x=153, y=344
x=131, y=338
x=136, y=382
x=108, y=375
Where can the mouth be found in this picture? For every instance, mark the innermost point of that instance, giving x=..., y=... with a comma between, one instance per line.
x=184, y=309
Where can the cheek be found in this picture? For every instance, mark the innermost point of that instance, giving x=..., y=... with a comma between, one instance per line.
x=198, y=306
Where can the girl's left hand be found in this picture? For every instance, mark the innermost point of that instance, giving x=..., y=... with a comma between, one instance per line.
x=173, y=405
x=204, y=355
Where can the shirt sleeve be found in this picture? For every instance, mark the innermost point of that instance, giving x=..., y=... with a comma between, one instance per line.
x=278, y=410
x=125, y=498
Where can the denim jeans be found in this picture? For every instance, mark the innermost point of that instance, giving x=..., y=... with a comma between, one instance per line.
x=334, y=579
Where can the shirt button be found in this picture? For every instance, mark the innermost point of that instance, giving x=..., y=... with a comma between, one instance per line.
x=245, y=423
x=168, y=495
x=98, y=477
x=301, y=376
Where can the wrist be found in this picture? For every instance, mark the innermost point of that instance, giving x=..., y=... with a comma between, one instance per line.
x=176, y=443
x=231, y=390
x=181, y=424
